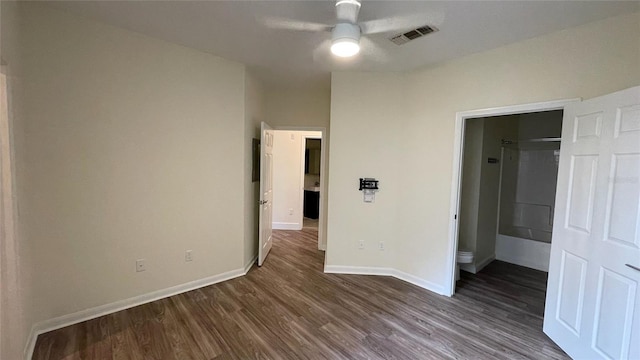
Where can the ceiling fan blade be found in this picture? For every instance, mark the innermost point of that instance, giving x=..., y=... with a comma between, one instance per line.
x=401, y=23
x=347, y=11
x=277, y=23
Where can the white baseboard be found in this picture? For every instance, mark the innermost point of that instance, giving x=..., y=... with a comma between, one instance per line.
x=286, y=226
x=380, y=271
x=475, y=267
x=248, y=265
x=31, y=344
x=92, y=313
x=357, y=270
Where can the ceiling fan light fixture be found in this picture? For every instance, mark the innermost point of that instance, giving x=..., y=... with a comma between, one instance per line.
x=345, y=40
x=352, y=2
x=345, y=47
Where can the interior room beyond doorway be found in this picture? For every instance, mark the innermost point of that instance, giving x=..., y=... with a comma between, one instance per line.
x=297, y=179
x=510, y=170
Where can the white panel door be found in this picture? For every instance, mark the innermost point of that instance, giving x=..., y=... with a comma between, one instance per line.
x=266, y=192
x=593, y=304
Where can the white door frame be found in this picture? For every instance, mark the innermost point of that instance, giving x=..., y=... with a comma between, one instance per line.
x=322, y=244
x=456, y=179
x=9, y=291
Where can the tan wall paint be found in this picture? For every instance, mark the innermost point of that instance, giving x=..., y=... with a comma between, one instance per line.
x=303, y=108
x=133, y=149
x=364, y=144
x=408, y=141
x=17, y=303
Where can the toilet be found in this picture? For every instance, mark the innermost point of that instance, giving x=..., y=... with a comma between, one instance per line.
x=462, y=257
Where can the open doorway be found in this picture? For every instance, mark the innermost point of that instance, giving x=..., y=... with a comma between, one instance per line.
x=509, y=177
x=504, y=206
x=311, y=198
x=505, y=176
x=298, y=182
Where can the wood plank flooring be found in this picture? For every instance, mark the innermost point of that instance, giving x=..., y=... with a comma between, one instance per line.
x=290, y=309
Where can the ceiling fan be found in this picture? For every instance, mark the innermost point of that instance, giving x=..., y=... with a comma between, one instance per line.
x=347, y=32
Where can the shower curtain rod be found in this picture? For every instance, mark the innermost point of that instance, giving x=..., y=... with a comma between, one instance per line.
x=549, y=139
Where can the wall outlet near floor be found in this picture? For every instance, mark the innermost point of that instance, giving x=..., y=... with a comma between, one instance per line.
x=361, y=244
x=290, y=211
x=140, y=265
x=381, y=245
x=188, y=256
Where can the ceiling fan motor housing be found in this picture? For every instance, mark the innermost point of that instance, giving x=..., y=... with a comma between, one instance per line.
x=345, y=31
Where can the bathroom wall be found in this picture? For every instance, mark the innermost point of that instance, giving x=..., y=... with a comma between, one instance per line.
x=481, y=186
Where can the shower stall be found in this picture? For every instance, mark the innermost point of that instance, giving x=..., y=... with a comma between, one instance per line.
x=528, y=180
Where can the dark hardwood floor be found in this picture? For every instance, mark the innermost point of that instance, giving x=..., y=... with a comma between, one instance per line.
x=290, y=309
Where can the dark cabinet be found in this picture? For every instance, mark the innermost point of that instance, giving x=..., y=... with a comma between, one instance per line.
x=311, y=204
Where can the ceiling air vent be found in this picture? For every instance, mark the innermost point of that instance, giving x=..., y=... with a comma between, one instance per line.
x=404, y=38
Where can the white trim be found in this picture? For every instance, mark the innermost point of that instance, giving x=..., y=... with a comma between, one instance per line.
x=456, y=179
x=31, y=343
x=249, y=265
x=286, y=226
x=92, y=313
x=380, y=271
x=476, y=267
x=357, y=270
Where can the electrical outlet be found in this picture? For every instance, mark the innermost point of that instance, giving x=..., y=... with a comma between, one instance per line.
x=290, y=211
x=140, y=265
x=188, y=256
x=361, y=244
x=381, y=246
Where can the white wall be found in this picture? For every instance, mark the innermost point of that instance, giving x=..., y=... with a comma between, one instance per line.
x=133, y=149
x=471, y=172
x=288, y=180
x=481, y=186
x=495, y=129
x=407, y=141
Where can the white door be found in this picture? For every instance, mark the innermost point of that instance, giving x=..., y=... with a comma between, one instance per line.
x=266, y=192
x=593, y=305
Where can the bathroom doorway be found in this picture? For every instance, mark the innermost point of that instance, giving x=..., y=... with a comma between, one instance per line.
x=311, y=198
x=507, y=174
x=299, y=181
x=510, y=170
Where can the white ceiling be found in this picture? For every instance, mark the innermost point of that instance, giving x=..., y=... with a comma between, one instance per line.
x=235, y=30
